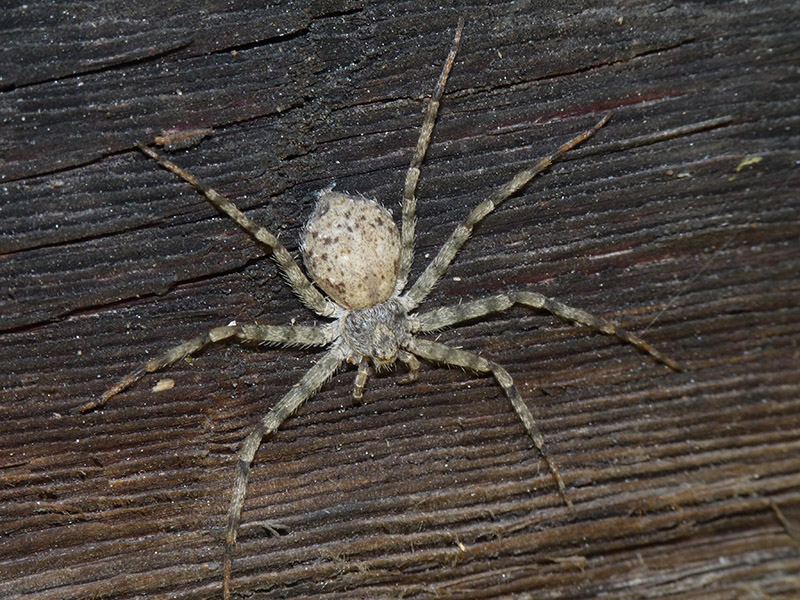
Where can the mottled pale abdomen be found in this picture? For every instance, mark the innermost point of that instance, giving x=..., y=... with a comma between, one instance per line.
x=351, y=248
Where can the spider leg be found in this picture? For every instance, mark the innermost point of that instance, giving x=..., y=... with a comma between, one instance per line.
x=437, y=267
x=300, y=392
x=440, y=353
x=413, y=366
x=453, y=315
x=258, y=334
x=301, y=285
x=412, y=176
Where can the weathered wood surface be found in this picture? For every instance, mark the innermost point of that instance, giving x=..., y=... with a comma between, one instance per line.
x=685, y=484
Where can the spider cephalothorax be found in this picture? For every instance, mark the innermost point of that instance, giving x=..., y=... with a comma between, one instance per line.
x=355, y=253
x=376, y=332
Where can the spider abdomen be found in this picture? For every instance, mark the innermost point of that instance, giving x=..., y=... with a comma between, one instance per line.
x=351, y=248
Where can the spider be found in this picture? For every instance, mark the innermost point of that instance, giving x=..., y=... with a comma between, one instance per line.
x=355, y=254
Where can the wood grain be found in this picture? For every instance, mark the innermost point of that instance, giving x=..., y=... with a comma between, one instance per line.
x=686, y=485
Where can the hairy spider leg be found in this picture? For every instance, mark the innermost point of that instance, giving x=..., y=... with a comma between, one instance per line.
x=437, y=267
x=453, y=315
x=412, y=176
x=300, y=392
x=300, y=284
x=456, y=357
x=256, y=334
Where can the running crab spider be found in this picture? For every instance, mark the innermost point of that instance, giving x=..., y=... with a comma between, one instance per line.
x=355, y=254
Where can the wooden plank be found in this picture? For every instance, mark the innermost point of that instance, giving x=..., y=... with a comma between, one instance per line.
x=685, y=484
